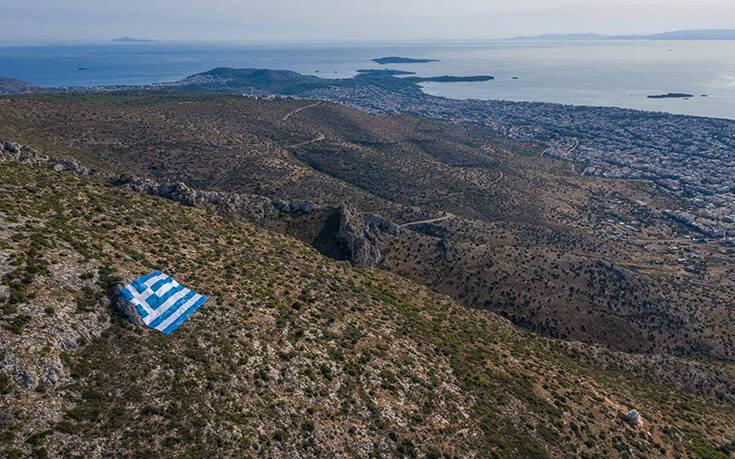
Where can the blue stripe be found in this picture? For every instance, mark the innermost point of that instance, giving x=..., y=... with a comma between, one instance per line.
x=172, y=309
x=185, y=316
x=156, y=301
x=141, y=312
x=138, y=286
x=127, y=295
x=161, y=283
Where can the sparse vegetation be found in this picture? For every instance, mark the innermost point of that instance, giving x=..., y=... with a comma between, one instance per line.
x=298, y=355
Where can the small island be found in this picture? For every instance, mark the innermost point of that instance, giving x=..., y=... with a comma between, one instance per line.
x=672, y=95
x=451, y=79
x=130, y=40
x=402, y=60
x=388, y=74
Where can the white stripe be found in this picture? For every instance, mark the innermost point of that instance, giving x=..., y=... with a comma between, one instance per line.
x=172, y=318
x=160, y=292
x=152, y=281
x=138, y=299
x=165, y=306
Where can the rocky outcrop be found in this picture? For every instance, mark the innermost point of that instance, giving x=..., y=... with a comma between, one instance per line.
x=118, y=304
x=253, y=207
x=359, y=233
x=11, y=151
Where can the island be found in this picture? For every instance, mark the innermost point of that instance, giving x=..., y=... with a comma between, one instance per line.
x=130, y=40
x=451, y=79
x=402, y=60
x=672, y=95
x=287, y=83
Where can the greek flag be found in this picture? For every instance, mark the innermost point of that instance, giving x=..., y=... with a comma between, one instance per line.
x=162, y=303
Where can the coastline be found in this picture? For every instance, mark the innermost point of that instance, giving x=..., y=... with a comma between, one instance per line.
x=583, y=75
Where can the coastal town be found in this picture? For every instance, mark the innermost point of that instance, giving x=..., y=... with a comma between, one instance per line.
x=689, y=157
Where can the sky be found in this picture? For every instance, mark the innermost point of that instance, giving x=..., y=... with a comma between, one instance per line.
x=49, y=20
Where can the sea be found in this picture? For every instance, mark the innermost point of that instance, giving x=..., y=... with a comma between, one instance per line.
x=594, y=73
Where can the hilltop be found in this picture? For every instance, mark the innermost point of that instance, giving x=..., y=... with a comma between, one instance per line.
x=294, y=355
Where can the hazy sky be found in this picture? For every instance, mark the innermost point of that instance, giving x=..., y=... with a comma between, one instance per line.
x=347, y=19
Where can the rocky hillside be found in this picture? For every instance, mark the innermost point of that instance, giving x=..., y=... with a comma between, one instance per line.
x=13, y=86
x=295, y=355
x=506, y=228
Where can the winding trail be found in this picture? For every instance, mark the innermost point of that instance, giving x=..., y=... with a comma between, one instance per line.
x=299, y=110
x=321, y=137
x=431, y=220
x=498, y=180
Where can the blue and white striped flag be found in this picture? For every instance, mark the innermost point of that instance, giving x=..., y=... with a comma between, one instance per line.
x=162, y=303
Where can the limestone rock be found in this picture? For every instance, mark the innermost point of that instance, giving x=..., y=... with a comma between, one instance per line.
x=359, y=233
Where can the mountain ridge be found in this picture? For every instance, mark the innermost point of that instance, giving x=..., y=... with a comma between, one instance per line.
x=693, y=34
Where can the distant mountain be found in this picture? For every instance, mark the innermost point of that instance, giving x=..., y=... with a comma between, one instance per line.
x=706, y=34
x=130, y=40
x=711, y=34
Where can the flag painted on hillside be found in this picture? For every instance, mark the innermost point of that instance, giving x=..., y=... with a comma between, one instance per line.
x=162, y=303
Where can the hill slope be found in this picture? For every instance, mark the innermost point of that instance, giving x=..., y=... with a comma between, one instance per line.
x=524, y=235
x=294, y=355
x=13, y=86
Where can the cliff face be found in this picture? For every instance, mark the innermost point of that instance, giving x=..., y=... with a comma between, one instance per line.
x=360, y=234
x=356, y=238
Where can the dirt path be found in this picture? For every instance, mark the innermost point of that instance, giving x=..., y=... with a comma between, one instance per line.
x=498, y=180
x=299, y=110
x=431, y=220
x=321, y=137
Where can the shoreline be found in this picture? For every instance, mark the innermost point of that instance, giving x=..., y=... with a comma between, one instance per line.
x=420, y=83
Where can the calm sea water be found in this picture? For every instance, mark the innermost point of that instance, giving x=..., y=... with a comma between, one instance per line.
x=619, y=73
